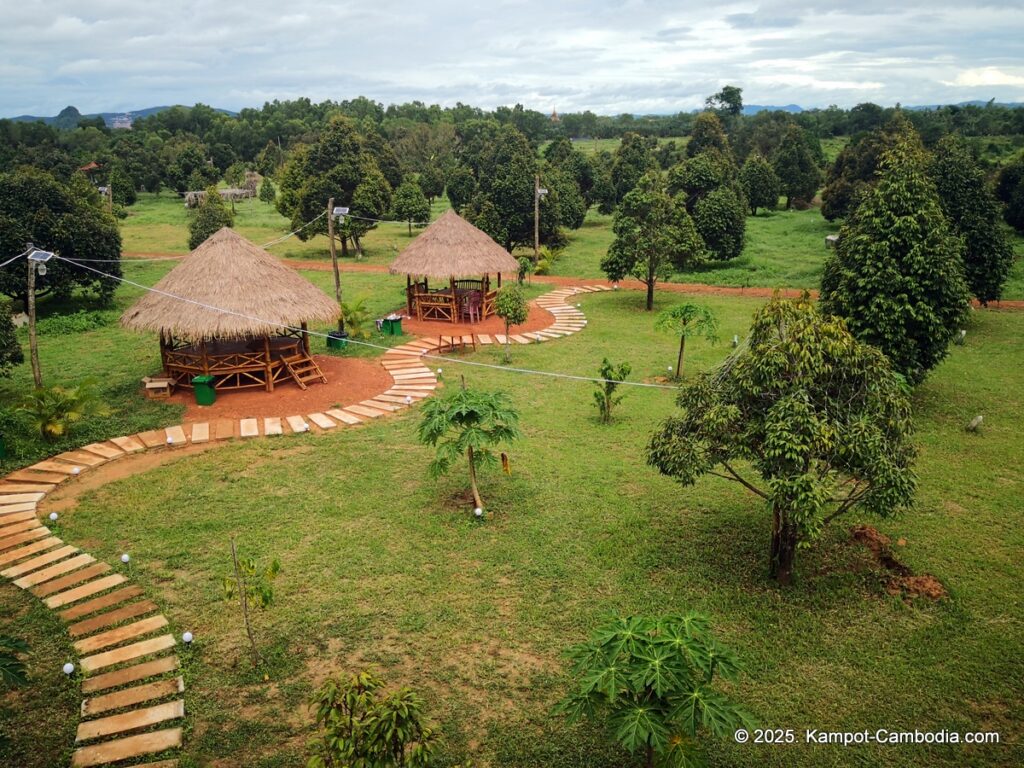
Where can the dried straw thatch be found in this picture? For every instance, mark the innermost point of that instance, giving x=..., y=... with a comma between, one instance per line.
x=452, y=247
x=229, y=272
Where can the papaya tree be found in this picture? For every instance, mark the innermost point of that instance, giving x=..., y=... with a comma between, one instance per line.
x=687, y=320
x=807, y=418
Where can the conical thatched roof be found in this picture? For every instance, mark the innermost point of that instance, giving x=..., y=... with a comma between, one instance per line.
x=229, y=272
x=452, y=247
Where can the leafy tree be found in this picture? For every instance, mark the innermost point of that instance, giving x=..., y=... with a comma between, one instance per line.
x=54, y=411
x=210, y=217
x=367, y=727
x=432, y=182
x=184, y=159
x=820, y=417
x=461, y=187
x=854, y=171
x=561, y=154
x=268, y=192
x=510, y=305
x=973, y=212
x=10, y=350
x=611, y=377
x=700, y=175
x=468, y=422
x=121, y=186
x=728, y=102
x=760, y=185
x=708, y=133
x=250, y=584
x=796, y=167
x=1010, y=191
x=652, y=231
x=632, y=159
x=411, y=204
x=721, y=220
x=12, y=668
x=371, y=200
x=68, y=219
x=652, y=679
x=686, y=320
x=897, y=272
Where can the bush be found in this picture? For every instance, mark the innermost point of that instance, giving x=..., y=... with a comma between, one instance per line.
x=78, y=322
x=55, y=410
x=721, y=220
x=605, y=397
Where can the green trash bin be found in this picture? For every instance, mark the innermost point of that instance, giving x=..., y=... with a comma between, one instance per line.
x=202, y=386
x=391, y=326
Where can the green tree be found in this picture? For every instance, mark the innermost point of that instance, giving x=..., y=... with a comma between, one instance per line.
x=854, y=171
x=632, y=160
x=121, y=185
x=760, y=185
x=651, y=233
x=461, y=187
x=210, y=217
x=268, y=192
x=652, y=680
x=700, y=175
x=708, y=133
x=432, y=182
x=820, y=417
x=685, y=320
x=68, y=219
x=250, y=584
x=973, y=212
x=796, y=167
x=510, y=305
x=470, y=423
x=10, y=350
x=721, y=220
x=365, y=727
x=611, y=377
x=728, y=102
x=410, y=204
x=897, y=272
x=1010, y=191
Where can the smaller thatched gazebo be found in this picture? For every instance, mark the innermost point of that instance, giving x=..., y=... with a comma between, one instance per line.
x=452, y=249
x=232, y=311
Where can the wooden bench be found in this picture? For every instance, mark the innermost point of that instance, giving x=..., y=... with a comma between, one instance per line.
x=454, y=343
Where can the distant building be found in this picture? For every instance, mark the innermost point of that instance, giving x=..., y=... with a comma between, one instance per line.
x=124, y=122
x=554, y=116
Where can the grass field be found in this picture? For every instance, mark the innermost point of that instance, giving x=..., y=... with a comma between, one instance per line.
x=383, y=566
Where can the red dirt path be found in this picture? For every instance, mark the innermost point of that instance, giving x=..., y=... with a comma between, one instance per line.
x=632, y=285
x=349, y=380
x=536, y=320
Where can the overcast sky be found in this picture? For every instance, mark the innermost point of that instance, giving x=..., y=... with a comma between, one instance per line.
x=609, y=57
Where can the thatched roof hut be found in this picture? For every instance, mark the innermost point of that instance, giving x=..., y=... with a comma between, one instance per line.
x=229, y=272
x=452, y=247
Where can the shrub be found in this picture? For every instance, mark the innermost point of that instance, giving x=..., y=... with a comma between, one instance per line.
x=605, y=396
x=54, y=411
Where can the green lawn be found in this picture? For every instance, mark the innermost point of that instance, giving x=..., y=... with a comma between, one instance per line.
x=383, y=566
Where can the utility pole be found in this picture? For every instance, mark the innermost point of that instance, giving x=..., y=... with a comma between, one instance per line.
x=36, y=260
x=538, y=193
x=334, y=260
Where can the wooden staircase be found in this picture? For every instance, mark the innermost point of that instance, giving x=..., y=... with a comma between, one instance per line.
x=303, y=369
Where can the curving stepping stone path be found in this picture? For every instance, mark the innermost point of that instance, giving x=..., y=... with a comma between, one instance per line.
x=133, y=695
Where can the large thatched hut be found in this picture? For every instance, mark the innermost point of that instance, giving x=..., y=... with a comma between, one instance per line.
x=453, y=250
x=232, y=311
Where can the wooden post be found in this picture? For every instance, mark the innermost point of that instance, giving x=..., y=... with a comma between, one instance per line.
x=33, y=343
x=270, y=367
x=408, y=294
x=305, y=339
x=206, y=359
x=334, y=260
x=455, y=301
x=536, y=222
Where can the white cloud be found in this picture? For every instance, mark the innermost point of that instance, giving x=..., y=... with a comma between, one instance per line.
x=985, y=77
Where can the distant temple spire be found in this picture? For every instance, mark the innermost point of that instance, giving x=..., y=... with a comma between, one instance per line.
x=554, y=116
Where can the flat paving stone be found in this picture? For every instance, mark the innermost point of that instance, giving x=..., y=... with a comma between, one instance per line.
x=128, y=444
x=128, y=747
x=344, y=416
x=176, y=436
x=12, y=526
x=7, y=487
x=38, y=562
x=223, y=429
x=483, y=338
x=249, y=428
x=75, y=577
x=155, y=438
x=200, y=432
x=54, y=571
x=127, y=653
x=116, y=616
x=518, y=339
x=35, y=476
x=105, y=450
x=131, y=674
x=80, y=457
x=57, y=467
x=272, y=426
x=296, y=424
x=12, y=509
x=9, y=542
x=111, y=637
x=78, y=593
x=362, y=410
x=373, y=403
x=14, y=555
x=101, y=603
x=389, y=399
x=7, y=518
x=23, y=498
x=323, y=421
x=159, y=689
x=499, y=338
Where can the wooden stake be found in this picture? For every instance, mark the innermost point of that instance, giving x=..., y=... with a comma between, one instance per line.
x=334, y=260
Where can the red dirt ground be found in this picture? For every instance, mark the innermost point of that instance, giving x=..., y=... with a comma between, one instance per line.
x=537, y=319
x=349, y=380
